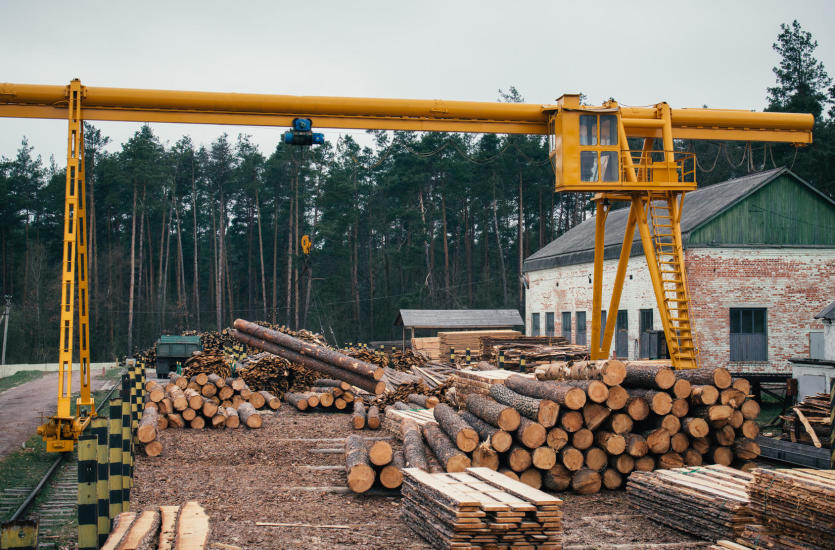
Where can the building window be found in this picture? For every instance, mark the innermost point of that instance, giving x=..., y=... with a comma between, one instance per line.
x=549, y=323
x=749, y=337
x=534, y=324
x=580, y=319
x=566, y=325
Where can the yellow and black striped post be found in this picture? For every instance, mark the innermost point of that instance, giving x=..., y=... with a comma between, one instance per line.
x=469, y=358
x=501, y=359
x=137, y=415
x=452, y=355
x=87, y=502
x=521, y=364
x=115, y=460
x=127, y=461
x=21, y=534
x=99, y=425
x=132, y=387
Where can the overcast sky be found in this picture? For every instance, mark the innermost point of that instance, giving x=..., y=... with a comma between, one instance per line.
x=715, y=53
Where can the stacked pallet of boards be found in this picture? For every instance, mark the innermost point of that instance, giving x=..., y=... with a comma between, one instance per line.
x=205, y=400
x=429, y=346
x=166, y=528
x=594, y=426
x=508, y=352
x=479, y=509
x=460, y=341
x=708, y=502
x=794, y=508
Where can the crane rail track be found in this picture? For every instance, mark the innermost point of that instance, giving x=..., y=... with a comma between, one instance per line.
x=60, y=510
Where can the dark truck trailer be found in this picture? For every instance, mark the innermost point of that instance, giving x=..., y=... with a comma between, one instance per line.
x=172, y=349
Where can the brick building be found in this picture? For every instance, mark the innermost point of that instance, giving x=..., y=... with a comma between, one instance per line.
x=760, y=261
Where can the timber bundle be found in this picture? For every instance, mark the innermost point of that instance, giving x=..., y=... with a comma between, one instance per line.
x=479, y=509
x=708, y=502
x=324, y=394
x=809, y=421
x=459, y=341
x=535, y=350
x=795, y=508
x=315, y=357
x=167, y=528
x=268, y=372
x=597, y=424
x=204, y=400
x=367, y=462
x=207, y=363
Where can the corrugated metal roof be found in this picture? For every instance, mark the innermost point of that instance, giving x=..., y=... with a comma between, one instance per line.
x=828, y=313
x=458, y=318
x=577, y=245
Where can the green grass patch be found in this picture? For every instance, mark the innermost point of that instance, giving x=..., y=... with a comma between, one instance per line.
x=18, y=378
x=113, y=374
x=25, y=466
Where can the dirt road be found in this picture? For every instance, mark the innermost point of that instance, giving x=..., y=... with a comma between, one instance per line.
x=27, y=403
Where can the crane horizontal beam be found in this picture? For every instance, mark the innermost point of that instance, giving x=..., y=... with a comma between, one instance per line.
x=138, y=105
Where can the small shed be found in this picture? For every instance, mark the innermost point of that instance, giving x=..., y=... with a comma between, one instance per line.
x=456, y=319
x=817, y=375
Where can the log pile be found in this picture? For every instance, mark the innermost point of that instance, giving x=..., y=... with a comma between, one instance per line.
x=207, y=363
x=326, y=395
x=708, y=502
x=794, y=508
x=590, y=431
x=321, y=359
x=268, y=372
x=169, y=527
x=367, y=462
x=809, y=422
x=203, y=401
x=479, y=509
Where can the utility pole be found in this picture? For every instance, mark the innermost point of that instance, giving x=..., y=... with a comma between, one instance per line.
x=6, y=327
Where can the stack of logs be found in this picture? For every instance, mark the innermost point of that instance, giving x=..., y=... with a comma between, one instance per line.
x=370, y=461
x=326, y=394
x=601, y=421
x=204, y=400
x=312, y=356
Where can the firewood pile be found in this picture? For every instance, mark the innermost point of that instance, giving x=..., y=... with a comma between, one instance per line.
x=268, y=372
x=535, y=350
x=591, y=432
x=794, y=508
x=168, y=527
x=809, y=422
x=479, y=509
x=322, y=359
x=370, y=462
x=207, y=363
x=708, y=502
x=204, y=400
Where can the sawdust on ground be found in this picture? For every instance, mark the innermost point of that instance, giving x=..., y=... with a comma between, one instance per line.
x=246, y=476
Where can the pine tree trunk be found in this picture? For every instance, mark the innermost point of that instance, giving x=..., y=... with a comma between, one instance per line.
x=500, y=251
x=132, y=272
x=195, y=278
x=261, y=254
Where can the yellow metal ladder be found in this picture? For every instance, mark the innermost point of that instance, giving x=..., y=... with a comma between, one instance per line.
x=665, y=230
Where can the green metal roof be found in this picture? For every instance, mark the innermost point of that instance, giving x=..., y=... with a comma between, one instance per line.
x=175, y=339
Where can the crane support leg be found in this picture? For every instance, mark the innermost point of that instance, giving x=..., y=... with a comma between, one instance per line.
x=620, y=275
x=61, y=430
x=597, y=290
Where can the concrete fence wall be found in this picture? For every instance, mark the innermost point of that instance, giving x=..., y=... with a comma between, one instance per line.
x=8, y=370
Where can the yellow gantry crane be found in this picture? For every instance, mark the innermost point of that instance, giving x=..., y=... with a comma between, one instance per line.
x=588, y=146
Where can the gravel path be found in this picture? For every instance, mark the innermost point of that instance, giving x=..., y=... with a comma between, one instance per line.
x=29, y=402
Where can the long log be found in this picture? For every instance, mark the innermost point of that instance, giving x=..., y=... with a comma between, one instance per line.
x=298, y=400
x=321, y=353
x=611, y=371
x=597, y=391
x=499, y=439
x=568, y=396
x=452, y=459
x=373, y=417
x=719, y=376
x=232, y=418
x=464, y=436
x=531, y=477
x=485, y=456
x=360, y=473
x=249, y=416
x=493, y=412
x=543, y=411
x=147, y=430
x=353, y=378
x=659, y=402
x=657, y=377
x=272, y=401
x=358, y=418
x=413, y=448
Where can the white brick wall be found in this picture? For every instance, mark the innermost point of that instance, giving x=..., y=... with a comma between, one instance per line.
x=793, y=283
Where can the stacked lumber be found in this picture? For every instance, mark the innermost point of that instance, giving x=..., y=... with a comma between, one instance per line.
x=606, y=420
x=479, y=508
x=166, y=528
x=461, y=340
x=205, y=400
x=319, y=358
x=535, y=350
x=708, y=502
x=430, y=347
x=367, y=462
x=809, y=422
x=794, y=508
